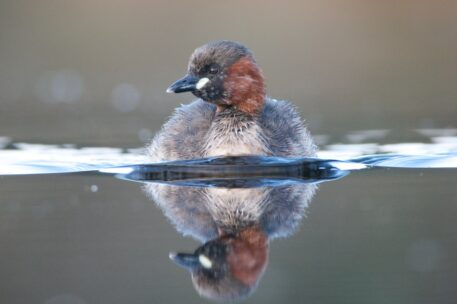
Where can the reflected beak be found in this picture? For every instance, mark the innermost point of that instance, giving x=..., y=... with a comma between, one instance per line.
x=186, y=260
x=186, y=84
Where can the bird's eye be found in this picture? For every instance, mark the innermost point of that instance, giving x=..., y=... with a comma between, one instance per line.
x=213, y=69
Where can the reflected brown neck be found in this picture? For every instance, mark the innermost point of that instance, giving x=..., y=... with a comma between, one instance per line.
x=249, y=255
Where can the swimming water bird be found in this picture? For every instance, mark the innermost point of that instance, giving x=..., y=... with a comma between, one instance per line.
x=233, y=115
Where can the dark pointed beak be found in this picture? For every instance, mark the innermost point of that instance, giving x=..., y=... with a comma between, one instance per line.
x=185, y=84
x=186, y=260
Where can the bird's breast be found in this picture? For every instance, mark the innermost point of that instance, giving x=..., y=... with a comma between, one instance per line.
x=236, y=207
x=228, y=138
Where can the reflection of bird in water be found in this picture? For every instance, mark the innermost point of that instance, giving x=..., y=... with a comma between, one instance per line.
x=233, y=115
x=228, y=267
x=235, y=225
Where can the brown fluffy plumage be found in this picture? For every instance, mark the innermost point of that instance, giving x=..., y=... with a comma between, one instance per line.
x=233, y=116
x=195, y=126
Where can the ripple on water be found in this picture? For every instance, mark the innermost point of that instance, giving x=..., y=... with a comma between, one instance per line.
x=440, y=152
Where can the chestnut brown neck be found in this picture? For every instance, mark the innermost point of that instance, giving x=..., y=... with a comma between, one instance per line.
x=245, y=86
x=249, y=255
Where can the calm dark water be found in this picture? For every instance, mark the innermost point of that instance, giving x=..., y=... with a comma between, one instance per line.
x=383, y=235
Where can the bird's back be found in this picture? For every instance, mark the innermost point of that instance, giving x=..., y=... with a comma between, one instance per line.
x=285, y=131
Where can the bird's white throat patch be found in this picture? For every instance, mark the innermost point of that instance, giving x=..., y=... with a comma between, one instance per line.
x=201, y=83
x=205, y=261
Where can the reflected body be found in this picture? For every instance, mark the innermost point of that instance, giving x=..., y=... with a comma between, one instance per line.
x=235, y=225
x=233, y=115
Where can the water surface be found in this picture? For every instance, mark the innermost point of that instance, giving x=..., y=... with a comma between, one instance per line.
x=79, y=225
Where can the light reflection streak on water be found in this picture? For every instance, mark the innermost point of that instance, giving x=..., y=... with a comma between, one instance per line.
x=43, y=159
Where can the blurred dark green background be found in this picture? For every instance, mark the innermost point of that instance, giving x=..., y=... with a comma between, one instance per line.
x=95, y=72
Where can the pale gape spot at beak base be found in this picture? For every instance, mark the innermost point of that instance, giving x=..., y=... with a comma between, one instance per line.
x=201, y=83
x=204, y=261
